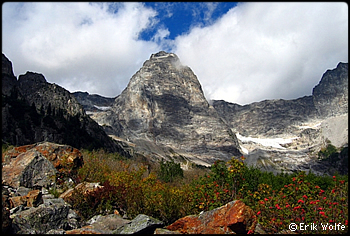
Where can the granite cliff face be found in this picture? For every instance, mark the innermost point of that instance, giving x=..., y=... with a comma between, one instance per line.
x=34, y=110
x=164, y=113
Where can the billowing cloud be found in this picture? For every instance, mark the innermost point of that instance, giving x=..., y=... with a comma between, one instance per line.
x=80, y=46
x=263, y=51
x=255, y=51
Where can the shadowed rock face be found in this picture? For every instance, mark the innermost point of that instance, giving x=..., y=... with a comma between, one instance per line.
x=164, y=104
x=330, y=96
x=34, y=110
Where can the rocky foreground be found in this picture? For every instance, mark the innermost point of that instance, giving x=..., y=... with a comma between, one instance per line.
x=31, y=173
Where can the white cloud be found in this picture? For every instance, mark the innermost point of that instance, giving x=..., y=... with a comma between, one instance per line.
x=263, y=51
x=255, y=51
x=79, y=46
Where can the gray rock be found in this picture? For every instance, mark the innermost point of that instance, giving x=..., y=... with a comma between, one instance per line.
x=41, y=219
x=53, y=201
x=279, y=116
x=18, y=209
x=331, y=94
x=93, y=219
x=107, y=224
x=141, y=224
x=22, y=191
x=56, y=231
x=74, y=221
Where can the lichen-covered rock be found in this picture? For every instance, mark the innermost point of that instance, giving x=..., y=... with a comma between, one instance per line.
x=41, y=219
x=64, y=158
x=141, y=224
x=234, y=217
x=29, y=169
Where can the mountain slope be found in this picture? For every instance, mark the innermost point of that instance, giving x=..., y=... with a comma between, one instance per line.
x=288, y=134
x=34, y=110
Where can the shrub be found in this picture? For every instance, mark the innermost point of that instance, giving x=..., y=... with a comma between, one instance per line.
x=169, y=171
x=328, y=151
x=278, y=199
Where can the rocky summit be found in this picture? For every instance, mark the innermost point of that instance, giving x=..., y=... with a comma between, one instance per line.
x=163, y=112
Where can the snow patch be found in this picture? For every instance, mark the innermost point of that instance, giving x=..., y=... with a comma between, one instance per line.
x=310, y=127
x=244, y=150
x=102, y=108
x=267, y=142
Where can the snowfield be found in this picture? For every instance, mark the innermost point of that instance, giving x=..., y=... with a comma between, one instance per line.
x=267, y=142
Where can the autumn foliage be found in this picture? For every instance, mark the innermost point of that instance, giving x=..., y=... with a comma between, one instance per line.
x=132, y=188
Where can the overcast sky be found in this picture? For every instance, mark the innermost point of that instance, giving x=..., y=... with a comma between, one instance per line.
x=241, y=53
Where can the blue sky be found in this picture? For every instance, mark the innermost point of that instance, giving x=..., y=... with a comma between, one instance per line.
x=179, y=17
x=240, y=52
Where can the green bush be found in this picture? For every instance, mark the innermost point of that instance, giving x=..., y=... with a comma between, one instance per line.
x=328, y=151
x=169, y=171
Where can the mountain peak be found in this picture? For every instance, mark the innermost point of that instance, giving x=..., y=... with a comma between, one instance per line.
x=163, y=54
x=164, y=105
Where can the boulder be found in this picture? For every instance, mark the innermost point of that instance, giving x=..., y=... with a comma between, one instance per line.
x=234, y=217
x=84, y=230
x=41, y=219
x=107, y=224
x=29, y=169
x=17, y=201
x=141, y=224
x=64, y=158
x=34, y=198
